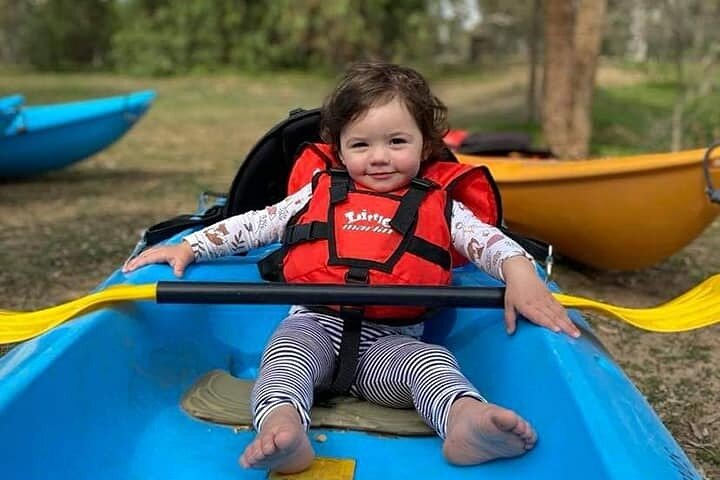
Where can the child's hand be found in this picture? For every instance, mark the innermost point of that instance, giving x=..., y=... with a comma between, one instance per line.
x=177, y=256
x=527, y=295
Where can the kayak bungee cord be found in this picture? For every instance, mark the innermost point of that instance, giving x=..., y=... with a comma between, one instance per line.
x=698, y=307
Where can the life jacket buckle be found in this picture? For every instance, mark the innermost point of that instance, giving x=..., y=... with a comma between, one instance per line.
x=357, y=276
x=304, y=232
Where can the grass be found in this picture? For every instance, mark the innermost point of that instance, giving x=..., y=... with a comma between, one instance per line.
x=630, y=116
x=64, y=232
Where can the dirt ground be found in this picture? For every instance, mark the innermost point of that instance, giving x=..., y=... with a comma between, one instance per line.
x=64, y=232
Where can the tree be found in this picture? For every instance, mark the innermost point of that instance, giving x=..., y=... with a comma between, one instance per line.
x=161, y=36
x=509, y=29
x=533, y=40
x=637, y=45
x=573, y=34
x=66, y=34
x=12, y=14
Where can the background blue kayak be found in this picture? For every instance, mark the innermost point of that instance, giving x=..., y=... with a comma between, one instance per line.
x=41, y=138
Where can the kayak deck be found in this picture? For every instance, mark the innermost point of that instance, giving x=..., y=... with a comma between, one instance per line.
x=102, y=394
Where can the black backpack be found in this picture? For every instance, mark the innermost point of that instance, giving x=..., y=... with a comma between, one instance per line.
x=262, y=180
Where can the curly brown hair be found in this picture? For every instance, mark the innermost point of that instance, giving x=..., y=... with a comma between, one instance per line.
x=366, y=85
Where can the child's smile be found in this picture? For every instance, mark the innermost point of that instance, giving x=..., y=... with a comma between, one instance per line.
x=381, y=175
x=382, y=149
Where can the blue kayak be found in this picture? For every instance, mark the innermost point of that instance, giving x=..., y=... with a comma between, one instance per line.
x=9, y=108
x=37, y=139
x=100, y=396
x=102, y=393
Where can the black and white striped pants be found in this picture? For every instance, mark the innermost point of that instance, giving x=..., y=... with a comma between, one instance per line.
x=394, y=370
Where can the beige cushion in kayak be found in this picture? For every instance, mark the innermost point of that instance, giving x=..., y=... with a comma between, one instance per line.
x=219, y=397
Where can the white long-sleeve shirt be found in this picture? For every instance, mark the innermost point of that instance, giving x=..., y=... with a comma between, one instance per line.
x=482, y=244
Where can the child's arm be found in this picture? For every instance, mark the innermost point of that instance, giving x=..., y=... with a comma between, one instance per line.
x=495, y=253
x=248, y=230
x=236, y=234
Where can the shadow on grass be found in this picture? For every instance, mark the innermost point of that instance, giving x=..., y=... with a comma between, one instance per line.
x=94, y=174
x=64, y=185
x=63, y=259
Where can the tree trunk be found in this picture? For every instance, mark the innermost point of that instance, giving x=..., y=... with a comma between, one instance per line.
x=557, y=75
x=572, y=47
x=533, y=41
x=13, y=16
x=679, y=34
x=637, y=46
x=589, y=26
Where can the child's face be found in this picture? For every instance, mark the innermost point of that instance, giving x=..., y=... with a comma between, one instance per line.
x=382, y=149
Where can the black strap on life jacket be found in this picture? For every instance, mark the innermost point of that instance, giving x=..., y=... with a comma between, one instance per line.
x=339, y=185
x=349, y=354
x=403, y=222
x=304, y=232
x=410, y=204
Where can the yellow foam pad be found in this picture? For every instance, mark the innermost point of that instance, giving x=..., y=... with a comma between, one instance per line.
x=322, y=468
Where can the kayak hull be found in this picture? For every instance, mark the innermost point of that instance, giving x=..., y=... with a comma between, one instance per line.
x=621, y=213
x=48, y=137
x=102, y=392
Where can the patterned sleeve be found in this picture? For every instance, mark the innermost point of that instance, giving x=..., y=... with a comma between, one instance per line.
x=484, y=245
x=248, y=230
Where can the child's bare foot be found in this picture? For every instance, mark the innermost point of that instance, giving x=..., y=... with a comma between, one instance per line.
x=281, y=445
x=478, y=432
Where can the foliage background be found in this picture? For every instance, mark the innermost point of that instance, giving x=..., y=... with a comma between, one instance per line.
x=162, y=36
x=674, y=39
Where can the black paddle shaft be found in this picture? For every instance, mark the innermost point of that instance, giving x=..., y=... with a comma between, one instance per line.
x=305, y=294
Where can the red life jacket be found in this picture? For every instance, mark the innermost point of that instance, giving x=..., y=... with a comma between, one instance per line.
x=347, y=234
x=473, y=186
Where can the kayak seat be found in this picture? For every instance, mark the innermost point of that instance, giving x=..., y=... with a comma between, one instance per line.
x=218, y=397
x=501, y=144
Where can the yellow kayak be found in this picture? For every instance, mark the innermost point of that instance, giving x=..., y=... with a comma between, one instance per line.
x=618, y=213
